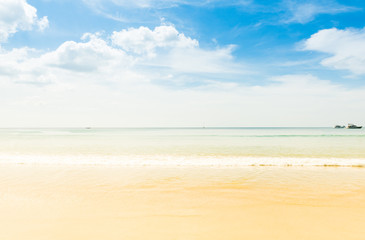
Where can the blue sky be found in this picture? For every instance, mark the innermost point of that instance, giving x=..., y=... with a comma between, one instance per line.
x=181, y=63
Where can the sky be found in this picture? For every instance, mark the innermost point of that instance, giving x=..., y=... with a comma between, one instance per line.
x=181, y=63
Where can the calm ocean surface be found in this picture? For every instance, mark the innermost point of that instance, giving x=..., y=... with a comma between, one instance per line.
x=185, y=146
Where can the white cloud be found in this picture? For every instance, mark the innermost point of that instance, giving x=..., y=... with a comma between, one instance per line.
x=43, y=23
x=159, y=55
x=171, y=53
x=204, y=61
x=304, y=12
x=93, y=82
x=145, y=41
x=90, y=56
x=18, y=15
x=346, y=47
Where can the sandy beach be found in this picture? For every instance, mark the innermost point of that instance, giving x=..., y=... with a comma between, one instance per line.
x=182, y=120
x=39, y=202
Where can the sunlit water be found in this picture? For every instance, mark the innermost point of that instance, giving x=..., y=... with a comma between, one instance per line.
x=199, y=146
x=163, y=184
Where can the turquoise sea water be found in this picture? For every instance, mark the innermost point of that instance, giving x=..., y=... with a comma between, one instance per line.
x=185, y=146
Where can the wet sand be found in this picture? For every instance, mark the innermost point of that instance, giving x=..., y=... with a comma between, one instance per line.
x=42, y=202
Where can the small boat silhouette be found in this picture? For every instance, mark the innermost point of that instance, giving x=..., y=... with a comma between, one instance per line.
x=353, y=126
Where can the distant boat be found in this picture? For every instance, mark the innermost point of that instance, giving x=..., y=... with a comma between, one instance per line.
x=353, y=126
x=339, y=126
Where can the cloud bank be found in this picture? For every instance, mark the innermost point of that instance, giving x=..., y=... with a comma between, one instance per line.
x=144, y=77
x=171, y=81
x=161, y=54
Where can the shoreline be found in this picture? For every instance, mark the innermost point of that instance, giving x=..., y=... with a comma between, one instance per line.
x=181, y=161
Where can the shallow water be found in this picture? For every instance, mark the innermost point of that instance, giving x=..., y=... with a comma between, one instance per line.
x=176, y=146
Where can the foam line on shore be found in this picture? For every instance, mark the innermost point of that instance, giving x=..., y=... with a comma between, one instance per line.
x=170, y=161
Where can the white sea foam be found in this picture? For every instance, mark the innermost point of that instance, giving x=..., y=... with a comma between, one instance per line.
x=176, y=161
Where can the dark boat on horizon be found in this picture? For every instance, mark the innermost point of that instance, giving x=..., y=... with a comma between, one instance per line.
x=353, y=126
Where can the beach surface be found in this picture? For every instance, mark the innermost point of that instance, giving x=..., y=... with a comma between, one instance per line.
x=195, y=184
x=101, y=202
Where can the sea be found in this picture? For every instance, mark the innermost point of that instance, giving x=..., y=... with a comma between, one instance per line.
x=215, y=147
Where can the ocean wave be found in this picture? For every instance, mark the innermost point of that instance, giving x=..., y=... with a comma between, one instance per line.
x=177, y=161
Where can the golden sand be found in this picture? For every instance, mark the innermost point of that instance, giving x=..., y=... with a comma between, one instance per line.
x=40, y=202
